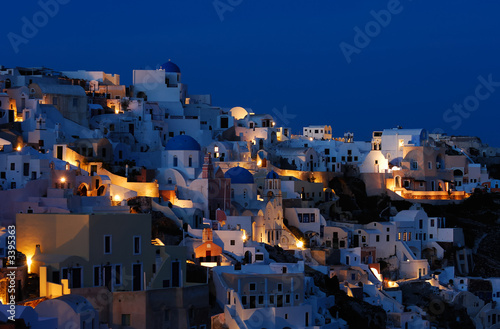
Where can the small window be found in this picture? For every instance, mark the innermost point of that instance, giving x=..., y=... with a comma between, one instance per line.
x=252, y=286
x=261, y=299
x=97, y=276
x=137, y=245
x=271, y=299
x=118, y=275
x=125, y=319
x=387, y=237
x=107, y=244
x=377, y=238
x=233, y=242
x=287, y=298
x=280, y=287
x=12, y=166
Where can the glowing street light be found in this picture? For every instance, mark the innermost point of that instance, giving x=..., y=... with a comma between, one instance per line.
x=300, y=244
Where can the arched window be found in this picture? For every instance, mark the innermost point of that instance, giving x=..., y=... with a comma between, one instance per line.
x=170, y=180
x=190, y=161
x=175, y=161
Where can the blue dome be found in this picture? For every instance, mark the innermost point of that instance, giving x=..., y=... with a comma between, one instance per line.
x=239, y=175
x=170, y=67
x=272, y=175
x=182, y=143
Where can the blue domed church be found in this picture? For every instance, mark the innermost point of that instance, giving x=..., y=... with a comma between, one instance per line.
x=182, y=152
x=243, y=188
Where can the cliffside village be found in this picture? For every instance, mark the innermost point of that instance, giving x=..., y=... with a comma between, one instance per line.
x=145, y=206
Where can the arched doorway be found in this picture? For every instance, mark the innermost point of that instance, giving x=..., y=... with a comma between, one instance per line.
x=82, y=190
x=101, y=190
x=248, y=257
x=397, y=181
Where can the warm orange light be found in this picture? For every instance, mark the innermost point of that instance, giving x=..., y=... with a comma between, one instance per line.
x=392, y=284
x=376, y=273
x=18, y=148
x=117, y=198
x=259, y=163
x=29, y=262
x=300, y=244
x=63, y=180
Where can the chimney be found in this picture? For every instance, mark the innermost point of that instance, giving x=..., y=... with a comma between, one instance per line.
x=38, y=251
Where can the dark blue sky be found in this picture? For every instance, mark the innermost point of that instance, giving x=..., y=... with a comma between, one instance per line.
x=276, y=54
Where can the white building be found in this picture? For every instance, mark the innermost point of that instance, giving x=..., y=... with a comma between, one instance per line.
x=318, y=132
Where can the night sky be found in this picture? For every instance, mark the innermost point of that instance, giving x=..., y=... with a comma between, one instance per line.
x=280, y=54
